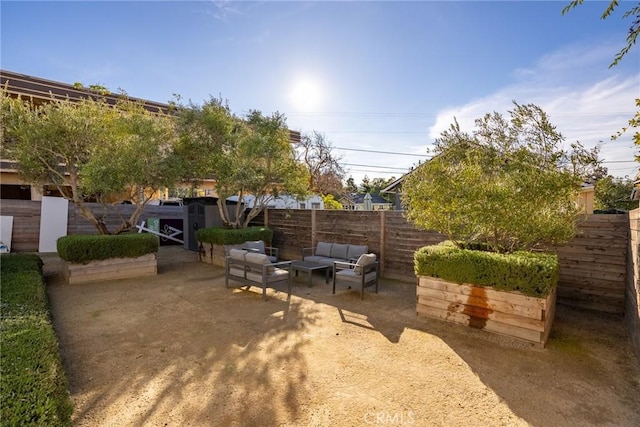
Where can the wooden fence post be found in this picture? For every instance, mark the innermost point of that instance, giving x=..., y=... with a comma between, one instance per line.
x=383, y=232
x=313, y=228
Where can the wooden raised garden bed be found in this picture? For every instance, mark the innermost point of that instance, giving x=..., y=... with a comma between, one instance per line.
x=112, y=268
x=508, y=313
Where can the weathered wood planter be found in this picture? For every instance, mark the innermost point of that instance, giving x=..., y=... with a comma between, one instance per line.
x=214, y=254
x=507, y=313
x=112, y=268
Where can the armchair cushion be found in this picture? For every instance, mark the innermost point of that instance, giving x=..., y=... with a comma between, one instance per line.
x=259, y=260
x=363, y=261
x=352, y=276
x=255, y=246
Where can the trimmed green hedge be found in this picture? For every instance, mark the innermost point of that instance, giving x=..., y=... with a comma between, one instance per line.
x=531, y=273
x=83, y=248
x=33, y=384
x=233, y=236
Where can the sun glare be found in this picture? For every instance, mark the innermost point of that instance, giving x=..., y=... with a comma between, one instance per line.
x=306, y=94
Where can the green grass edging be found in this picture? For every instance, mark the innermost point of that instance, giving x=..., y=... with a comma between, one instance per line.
x=235, y=236
x=83, y=248
x=33, y=385
x=533, y=274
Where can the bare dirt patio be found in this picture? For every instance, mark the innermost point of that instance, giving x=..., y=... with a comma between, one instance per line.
x=180, y=349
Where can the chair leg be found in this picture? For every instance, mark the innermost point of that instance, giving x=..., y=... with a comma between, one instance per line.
x=334, y=283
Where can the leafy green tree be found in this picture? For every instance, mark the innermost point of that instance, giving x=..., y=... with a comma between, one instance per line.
x=351, y=186
x=330, y=202
x=246, y=156
x=509, y=184
x=612, y=193
x=95, y=149
x=365, y=185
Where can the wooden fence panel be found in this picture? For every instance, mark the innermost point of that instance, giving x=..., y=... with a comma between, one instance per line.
x=632, y=303
x=26, y=223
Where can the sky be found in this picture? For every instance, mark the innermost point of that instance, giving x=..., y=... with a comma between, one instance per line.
x=379, y=79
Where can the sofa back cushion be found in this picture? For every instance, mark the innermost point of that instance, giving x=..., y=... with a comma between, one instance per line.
x=323, y=249
x=339, y=250
x=363, y=261
x=356, y=250
x=254, y=246
x=259, y=260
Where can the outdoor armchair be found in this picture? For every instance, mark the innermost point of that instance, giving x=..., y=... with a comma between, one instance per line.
x=362, y=274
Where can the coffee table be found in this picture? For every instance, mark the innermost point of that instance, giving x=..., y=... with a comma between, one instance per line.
x=309, y=268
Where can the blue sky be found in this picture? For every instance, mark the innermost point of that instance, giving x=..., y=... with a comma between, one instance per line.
x=372, y=76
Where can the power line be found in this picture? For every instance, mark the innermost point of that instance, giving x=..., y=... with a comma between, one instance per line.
x=374, y=166
x=381, y=152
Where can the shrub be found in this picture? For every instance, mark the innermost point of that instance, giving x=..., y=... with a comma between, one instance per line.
x=229, y=236
x=81, y=249
x=531, y=273
x=33, y=385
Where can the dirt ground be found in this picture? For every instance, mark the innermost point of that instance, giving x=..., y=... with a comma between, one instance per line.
x=180, y=349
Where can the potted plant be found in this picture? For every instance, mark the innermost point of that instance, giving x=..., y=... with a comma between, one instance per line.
x=504, y=195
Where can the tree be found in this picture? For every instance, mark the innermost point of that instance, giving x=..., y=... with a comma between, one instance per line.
x=612, y=193
x=330, y=202
x=634, y=29
x=351, y=186
x=325, y=171
x=509, y=184
x=94, y=149
x=247, y=156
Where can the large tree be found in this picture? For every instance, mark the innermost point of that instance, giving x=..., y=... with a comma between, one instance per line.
x=613, y=193
x=90, y=149
x=323, y=164
x=249, y=156
x=508, y=184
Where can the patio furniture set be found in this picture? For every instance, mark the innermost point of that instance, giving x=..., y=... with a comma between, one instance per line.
x=255, y=264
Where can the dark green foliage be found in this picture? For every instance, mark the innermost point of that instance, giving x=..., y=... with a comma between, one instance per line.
x=228, y=236
x=13, y=263
x=533, y=274
x=33, y=385
x=81, y=249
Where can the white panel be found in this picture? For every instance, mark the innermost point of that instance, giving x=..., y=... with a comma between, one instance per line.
x=6, y=230
x=53, y=222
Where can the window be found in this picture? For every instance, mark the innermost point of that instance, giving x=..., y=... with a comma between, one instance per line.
x=303, y=206
x=315, y=205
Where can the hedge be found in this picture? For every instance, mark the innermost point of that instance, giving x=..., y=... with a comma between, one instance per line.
x=82, y=249
x=531, y=273
x=33, y=384
x=235, y=236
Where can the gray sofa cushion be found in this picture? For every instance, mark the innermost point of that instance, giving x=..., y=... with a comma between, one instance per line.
x=339, y=251
x=356, y=250
x=323, y=249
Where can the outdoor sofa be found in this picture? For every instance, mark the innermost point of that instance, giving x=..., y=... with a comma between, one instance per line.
x=255, y=269
x=327, y=253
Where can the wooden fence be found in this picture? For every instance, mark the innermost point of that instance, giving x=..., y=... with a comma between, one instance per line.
x=632, y=305
x=26, y=220
x=592, y=265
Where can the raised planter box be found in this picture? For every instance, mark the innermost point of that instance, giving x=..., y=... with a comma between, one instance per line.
x=508, y=313
x=214, y=254
x=112, y=268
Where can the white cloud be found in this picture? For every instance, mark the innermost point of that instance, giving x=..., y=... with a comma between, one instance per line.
x=584, y=99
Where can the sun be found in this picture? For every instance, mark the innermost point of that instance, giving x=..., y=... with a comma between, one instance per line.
x=306, y=94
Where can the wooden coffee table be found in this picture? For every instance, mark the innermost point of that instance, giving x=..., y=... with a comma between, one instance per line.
x=309, y=268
